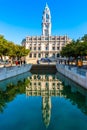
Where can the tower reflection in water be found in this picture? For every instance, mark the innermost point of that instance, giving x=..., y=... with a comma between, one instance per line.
x=44, y=86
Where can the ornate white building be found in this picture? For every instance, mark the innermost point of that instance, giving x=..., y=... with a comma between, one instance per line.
x=45, y=45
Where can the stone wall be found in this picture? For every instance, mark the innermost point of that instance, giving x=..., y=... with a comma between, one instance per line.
x=72, y=74
x=7, y=72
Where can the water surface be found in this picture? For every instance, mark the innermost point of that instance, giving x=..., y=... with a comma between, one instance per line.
x=42, y=102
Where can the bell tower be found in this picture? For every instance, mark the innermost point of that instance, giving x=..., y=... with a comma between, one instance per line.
x=46, y=22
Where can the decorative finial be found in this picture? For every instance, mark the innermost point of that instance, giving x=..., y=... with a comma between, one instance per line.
x=46, y=5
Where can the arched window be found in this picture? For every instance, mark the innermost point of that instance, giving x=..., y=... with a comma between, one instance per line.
x=34, y=54
x=47, y=16
x=30, y=55
x=39, y=55
x=46, y=47
x=57, y=54
x=53, y=54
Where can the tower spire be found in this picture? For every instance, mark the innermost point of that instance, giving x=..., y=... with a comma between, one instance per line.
x=46, y=5
x=46, y=21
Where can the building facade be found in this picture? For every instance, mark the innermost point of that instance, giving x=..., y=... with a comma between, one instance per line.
x=45, y=45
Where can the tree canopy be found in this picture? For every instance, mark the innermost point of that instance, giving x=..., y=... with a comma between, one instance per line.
x=75, y=48
x=10, y=49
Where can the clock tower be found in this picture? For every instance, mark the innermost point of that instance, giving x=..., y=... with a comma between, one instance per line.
x=46, y=22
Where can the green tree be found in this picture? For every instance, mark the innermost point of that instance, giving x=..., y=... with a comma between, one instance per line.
x=22, y=51
x=4, y=48
x=68, y=50
x=75, y=49
x=84, y=38
x=12, y=50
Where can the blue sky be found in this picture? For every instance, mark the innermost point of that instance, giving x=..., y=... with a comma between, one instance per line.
x=20, y=18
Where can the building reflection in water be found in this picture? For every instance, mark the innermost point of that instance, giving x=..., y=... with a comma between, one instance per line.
x=44, y=86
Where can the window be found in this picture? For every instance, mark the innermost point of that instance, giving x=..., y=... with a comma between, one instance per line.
x=39, y=84
x=53, y=84
x=34, y=76
x=63, y=38
x=34, y=83
x=30, y=48
x=34, y=48
x=53, y=55
x=39, y=48
x=46, y=38
x=53, y=44
x=58, y=48
x=63, y=43
x=30, y=55
x=47, y=16
x=39, y=38
x=53, y=48
x=46, y=47
x=58, y=38
x=57, y=54
x=39, y=55
x=35, y=55
x=38, y=77
x=47, y=84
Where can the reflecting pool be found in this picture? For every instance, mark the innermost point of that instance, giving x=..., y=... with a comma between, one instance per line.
x=42, y=102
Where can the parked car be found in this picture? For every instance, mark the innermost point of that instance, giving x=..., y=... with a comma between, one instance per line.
x=45, y=60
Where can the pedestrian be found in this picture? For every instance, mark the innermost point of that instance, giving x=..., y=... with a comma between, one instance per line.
x=16, y=62
x=24, y=62
x=19, y=62
x=38, y=62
